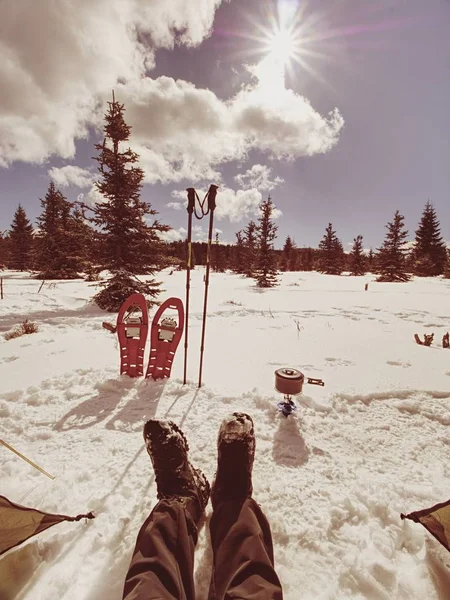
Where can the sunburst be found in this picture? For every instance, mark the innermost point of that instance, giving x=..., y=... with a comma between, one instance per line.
x=285, y=41
x=282, y=46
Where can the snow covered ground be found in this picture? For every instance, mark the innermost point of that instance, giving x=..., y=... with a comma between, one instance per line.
x=332, y=481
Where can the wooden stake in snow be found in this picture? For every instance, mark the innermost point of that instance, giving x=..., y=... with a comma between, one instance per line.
x=109, y=327
x=40, y=287
x=26, y=459
x=427, y=339
x=1, y=287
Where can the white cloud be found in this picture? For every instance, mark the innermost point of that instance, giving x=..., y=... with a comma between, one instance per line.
x=186, y=23
x=60, y=62
x=173, y=235
x=71, y=175
x=234, y=205
x=258, y=177
x=182, y=132
x=92, y=197
x=175, y=205
x=200, y=234
x=276, y=213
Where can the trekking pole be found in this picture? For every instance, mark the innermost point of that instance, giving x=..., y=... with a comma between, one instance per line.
x=211, y=195
x=190, y=209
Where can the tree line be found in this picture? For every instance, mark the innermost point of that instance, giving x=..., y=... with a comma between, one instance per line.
x=119, y=235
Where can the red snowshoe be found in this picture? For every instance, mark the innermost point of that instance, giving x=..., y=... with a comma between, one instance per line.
x=165, y=337
x=132, y=331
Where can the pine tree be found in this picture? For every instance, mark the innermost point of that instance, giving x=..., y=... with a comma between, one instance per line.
x=20, y=241
x=447, y=265
x=294, y=264
x=392, y=254
x=331, y=253
x=54, y=241
x=429, y=255
x=371, y=261
x=237, y=260
x=288, y=254
x=219, y=258
x=250, y=250
x=308, y=264
x=81, y=238
x=266, y=273
x=357, y=261
x=199, y=253
x=193, y=256
x=129, y=245
x=4, y=242
x=49, y=234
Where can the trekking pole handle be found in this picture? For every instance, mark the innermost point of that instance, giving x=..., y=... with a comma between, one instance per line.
x=191, y=200
x=212, y=193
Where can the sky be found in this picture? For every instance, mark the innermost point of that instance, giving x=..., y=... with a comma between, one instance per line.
x=336, y=108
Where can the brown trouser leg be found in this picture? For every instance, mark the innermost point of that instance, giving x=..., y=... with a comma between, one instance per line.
x=243, y=554
x=163, y=559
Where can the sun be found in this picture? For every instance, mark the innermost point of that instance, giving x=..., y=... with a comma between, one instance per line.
x=281, y=50
x=282, y=46
x=289, y=40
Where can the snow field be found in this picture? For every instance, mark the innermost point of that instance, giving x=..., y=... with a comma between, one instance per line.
x=332, y=481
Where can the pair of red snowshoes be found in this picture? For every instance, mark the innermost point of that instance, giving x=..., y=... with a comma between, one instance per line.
x=132, y=331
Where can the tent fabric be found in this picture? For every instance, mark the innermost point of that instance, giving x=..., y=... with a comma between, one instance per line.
x=436, y=520
x=18, y=523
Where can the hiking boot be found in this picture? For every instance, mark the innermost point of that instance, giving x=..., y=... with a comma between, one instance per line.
x=176, y=478
x=236, y=452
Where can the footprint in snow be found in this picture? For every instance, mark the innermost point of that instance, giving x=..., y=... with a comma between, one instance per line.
x=398, y=363
x=9, y=359
x=339, y=361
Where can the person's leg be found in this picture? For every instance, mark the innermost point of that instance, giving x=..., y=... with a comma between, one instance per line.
x=243, y=553
x=163, y=558
x=240, y=533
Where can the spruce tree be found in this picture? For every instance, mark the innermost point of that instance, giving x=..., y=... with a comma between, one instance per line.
x=49, y=236
x=237, y=262
x=357, y=260
x=20, y=242
x=447, y=265
x=250, y=250
x=54, y=241
x=392, y=254
x=331, y=253
x=199, y=253
x=193, y=257
x=429, y=255
x=288, y=254
x=128, y=244
x=340, y=256
x=308, y=264
x=294, y=263
x=266, y=230
x=81, y=242
x=4, y=254
x=219, y=258
x=371, y=261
